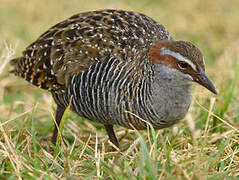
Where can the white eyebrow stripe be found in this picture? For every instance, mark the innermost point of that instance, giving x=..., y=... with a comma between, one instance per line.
x=177, y=56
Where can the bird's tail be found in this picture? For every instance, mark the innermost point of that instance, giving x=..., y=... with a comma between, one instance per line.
x=18, y=65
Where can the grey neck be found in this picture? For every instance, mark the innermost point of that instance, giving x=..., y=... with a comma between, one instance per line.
x=170, y=97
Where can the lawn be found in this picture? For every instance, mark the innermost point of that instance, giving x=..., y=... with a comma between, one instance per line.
x=205, y=145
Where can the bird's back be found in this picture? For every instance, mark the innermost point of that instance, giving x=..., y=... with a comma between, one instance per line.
x=84, y=39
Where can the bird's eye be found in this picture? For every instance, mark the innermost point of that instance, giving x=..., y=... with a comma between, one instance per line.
x=182, y=65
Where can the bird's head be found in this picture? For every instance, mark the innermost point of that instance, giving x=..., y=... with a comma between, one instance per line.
x=185, y=58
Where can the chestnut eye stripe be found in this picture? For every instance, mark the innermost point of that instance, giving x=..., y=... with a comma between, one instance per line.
x=178, y=56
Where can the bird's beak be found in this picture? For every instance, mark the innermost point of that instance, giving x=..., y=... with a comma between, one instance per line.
x=202, y=79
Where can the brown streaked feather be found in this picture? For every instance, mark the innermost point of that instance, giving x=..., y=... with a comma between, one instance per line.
x=75, y=44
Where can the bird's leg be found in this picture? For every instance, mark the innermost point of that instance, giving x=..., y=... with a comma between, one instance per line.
x=111, y=134
x=59, y=113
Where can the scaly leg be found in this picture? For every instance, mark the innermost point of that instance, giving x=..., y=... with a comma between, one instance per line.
x=59, y=113
x=111, y=134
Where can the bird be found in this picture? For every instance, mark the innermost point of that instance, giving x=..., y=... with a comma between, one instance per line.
x=114, y=67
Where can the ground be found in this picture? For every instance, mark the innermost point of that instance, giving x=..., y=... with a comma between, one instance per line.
x=202, y=146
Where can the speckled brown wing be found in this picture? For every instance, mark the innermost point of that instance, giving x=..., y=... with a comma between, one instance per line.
x=75, y=44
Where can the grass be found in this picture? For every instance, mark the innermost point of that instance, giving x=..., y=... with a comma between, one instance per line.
x=205, y=145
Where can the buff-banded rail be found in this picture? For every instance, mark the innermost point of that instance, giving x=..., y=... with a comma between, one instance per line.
x=114, y=67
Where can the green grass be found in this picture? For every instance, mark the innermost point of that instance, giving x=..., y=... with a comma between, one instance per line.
x=205, y=145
